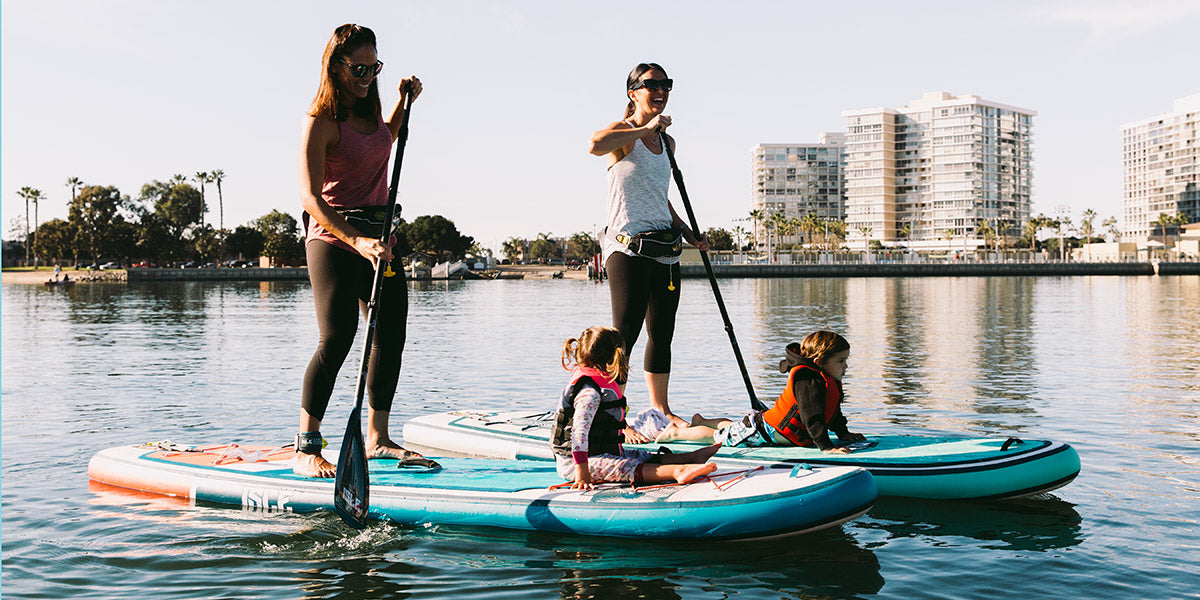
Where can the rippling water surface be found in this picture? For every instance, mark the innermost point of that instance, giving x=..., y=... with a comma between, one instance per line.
x=1108, y=364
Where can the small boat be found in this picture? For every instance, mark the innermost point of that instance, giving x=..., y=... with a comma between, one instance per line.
x=60, y=282
x=741, y=503
x=944, y=468
x=447, y=270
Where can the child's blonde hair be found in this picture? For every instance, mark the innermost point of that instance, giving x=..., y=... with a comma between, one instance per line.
x=820, y=345
x=601, y=348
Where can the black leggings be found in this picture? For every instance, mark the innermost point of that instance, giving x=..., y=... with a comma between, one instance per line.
x=341, y=283
x=644, y=290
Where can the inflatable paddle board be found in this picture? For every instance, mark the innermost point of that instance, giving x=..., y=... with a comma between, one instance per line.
x=731, y=504
x=944, y=468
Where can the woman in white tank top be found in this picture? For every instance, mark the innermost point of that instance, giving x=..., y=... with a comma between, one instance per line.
x=643, y=290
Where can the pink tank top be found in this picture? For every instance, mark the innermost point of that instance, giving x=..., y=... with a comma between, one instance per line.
x=355, y=175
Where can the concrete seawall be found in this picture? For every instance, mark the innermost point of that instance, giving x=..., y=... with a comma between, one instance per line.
x=222, y=274
x=965, y=269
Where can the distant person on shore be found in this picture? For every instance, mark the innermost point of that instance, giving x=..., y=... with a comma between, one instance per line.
x=589, y=425
x=345, y=146
x=642, y=239
x=807, y=410
x=57, y=271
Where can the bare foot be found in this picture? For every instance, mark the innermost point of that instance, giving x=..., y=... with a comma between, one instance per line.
x=386, y=448
x=690, y=473
x=313, y=465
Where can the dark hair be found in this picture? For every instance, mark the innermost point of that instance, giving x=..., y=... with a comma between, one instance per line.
x=328, y=101
x=636, y=75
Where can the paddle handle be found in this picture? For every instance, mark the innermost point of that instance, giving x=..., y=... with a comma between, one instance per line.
x=755, y=403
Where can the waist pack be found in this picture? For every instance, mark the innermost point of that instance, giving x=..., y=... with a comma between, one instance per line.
x=369, y=220
x=654, y=244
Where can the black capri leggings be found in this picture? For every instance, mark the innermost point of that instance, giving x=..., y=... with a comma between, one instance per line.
x=644, y=290
x=341, y=284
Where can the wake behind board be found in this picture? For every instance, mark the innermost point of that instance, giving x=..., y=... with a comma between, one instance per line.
x=763, y=503
x=944, y=468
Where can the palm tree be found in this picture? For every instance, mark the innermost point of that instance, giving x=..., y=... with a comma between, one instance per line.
x=949, y=235
x=773, y=223
x=1164, y=221
x=202, y=178
x=905, y=232
x=810, y=225
x=29, y=194
x=739, y=233
x=985, y=229
x=216, y=175
x=1110, y=225
x=73, y=183
x=755, y=216
x=1087, y=225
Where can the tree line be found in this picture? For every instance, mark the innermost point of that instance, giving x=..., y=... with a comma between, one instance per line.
x=165, y=224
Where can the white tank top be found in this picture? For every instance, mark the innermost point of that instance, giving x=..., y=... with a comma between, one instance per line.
x=637, y=198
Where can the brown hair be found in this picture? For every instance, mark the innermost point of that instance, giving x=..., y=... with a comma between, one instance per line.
x=634, y=76
x=601, y=348
x=328, y=101
x=820, y=345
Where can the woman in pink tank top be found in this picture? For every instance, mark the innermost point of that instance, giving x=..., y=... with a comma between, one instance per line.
x=345, y=147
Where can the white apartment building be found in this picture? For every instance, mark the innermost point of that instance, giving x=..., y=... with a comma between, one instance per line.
x=1161, y=158
x=795, y=180
x=936, y=173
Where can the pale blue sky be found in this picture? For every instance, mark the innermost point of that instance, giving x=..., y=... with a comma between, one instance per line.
x=122, y=92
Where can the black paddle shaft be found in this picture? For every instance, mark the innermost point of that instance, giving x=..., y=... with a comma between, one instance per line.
x=755, y=403
x=351, y=488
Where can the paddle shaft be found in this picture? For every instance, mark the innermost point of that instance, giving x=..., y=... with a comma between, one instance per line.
x=352, y=487
x=755, y=403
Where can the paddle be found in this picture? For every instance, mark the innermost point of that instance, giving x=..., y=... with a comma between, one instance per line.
x=351, y=486
x=755, y=403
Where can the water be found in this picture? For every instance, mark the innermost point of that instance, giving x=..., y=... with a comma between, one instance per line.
x=1108, y=364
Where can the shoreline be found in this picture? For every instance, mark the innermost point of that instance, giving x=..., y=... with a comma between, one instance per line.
x=721, y=271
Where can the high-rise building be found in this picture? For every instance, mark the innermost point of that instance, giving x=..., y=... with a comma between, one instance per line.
x=943, y=171
x=798, y=180
x=1161, y=157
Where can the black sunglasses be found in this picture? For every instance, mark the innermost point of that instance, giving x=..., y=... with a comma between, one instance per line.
x=361, y=70
x=654, y=84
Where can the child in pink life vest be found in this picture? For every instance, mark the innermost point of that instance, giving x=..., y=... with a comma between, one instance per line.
x=588, y=434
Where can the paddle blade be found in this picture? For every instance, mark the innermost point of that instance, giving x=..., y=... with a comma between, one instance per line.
x=352, y=483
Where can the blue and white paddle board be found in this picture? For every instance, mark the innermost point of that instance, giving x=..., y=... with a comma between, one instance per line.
x=945, y=468
x=732, y=504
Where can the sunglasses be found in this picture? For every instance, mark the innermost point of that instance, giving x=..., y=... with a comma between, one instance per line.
x=654, y=85
x=362, y=70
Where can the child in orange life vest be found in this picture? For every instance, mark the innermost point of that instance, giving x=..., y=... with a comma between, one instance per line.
x=589, y=425
x=809, y=407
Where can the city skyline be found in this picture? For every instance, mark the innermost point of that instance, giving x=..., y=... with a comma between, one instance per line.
x=128, y=92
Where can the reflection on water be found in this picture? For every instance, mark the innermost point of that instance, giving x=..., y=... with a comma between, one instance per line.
x=1032, y=524
x=1107, y=364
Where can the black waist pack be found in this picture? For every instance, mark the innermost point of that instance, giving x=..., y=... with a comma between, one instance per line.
x=655, y=244
x=369, y=220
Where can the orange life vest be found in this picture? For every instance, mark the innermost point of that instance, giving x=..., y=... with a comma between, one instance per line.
x=785, y=415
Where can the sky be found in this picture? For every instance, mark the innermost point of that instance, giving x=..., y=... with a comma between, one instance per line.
x=125, y=92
